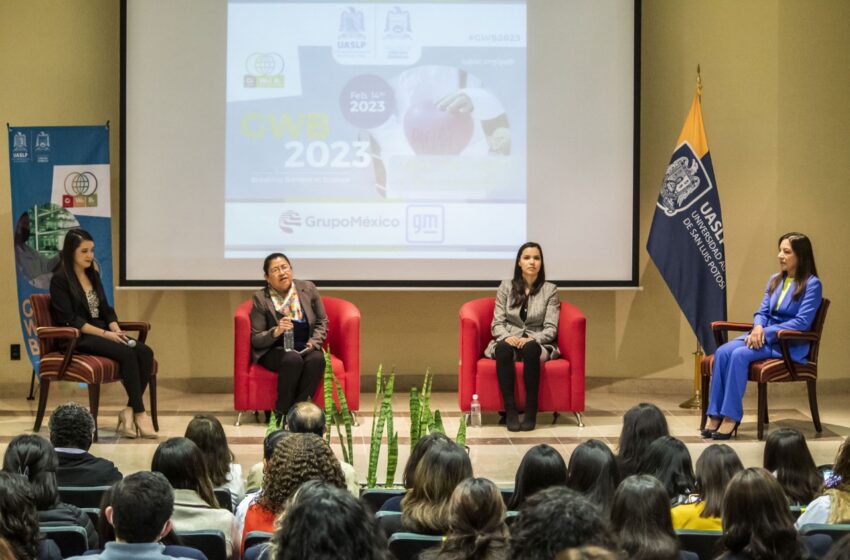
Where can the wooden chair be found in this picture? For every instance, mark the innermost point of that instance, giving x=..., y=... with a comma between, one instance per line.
x=69, y=365
x=773, y=370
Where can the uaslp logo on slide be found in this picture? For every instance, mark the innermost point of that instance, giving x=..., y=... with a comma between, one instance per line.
x=80, y=190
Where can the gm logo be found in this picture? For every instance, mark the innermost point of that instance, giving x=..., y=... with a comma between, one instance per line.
x=80, y=189
x=287, y=220
x=425, y=223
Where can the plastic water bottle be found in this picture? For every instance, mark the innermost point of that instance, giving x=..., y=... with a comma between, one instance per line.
x=289, y=340
x=475, y=413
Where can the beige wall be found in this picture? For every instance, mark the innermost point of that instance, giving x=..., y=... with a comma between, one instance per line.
x=775, y=104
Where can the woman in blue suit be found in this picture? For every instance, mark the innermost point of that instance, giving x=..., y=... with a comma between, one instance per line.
x=791, y=300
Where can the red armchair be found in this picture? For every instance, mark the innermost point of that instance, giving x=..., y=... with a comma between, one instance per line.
x=561, y=380
x=255, y=387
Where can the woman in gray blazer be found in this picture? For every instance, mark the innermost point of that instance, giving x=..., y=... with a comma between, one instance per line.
x=289, y=305
x=525, y=327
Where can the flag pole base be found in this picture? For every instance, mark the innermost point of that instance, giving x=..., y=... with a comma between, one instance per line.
x=692, y=403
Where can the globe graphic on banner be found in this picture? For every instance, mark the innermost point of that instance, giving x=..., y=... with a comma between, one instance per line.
x=80, y=184
x=264, y=65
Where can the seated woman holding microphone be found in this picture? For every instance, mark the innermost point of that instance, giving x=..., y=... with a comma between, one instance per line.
x=525, y=327
x=791, y=300
x=77, y=300
x=288, y=328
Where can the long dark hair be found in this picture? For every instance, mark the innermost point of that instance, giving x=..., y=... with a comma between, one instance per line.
x=787, y=456
x=34, y=458
x=73, y=239
x=669, y=460
x=518, y=296
x=326, y=522
x=716, y=466
x=593, y=471
x=802, y=247
x=208, y=434
x=640, y=517
x=183, y=464
x=642, y=424
x=422, y=446
x=541, y=467
x=425, y=507
x=757, y=521
x=477, y=529
x=19, y=521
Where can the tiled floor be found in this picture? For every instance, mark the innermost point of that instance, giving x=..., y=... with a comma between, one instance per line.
x=495, y=452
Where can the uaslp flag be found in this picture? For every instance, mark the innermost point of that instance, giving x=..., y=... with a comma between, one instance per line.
x=686, y=239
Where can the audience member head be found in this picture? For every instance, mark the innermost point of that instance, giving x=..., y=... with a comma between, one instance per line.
x=306, y=418
x=325, y=522
x=787, y=456
x=142, y=504
x=669, y=460
x=208, y=434
x=183, y=465
x=555, y=519
x=841, y=468
x=425, y=507
x=270, y=443
x=34, y=457
x=541, y=467
x=640, y=517
x=477, y=529
x=757, y=522
x=593, y=471
x=297, y=459
x=421, y=447
x=716, y=466
x=588, y=553
x=18, y=516
x=71, y=425
x=642, y=424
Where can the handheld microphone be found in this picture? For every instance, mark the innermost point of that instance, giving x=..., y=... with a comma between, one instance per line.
x=131, y=343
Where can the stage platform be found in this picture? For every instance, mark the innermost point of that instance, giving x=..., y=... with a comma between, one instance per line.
x=495, y=452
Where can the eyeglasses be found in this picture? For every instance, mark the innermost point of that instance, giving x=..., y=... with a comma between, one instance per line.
x=277, y=269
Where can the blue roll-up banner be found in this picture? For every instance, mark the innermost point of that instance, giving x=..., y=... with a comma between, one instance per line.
x=60, y=181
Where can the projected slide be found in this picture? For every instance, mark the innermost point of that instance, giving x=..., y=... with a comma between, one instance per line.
x=375, y=130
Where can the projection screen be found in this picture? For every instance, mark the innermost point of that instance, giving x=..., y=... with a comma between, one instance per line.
x=376, y=143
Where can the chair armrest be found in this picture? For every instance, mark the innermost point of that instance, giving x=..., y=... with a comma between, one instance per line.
x=785, y=337
x=572, y=341
x=140, y=327
x=720, y=328
x=70, y=334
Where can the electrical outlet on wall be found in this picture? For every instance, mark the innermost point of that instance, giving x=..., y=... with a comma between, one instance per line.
x=15, y=352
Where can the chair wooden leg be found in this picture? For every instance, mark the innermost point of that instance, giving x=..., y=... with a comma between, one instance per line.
x=813, y=404
x=94, y=405
x=152, y=397
x=762, y=409
x=43, y=389
x=704, y=387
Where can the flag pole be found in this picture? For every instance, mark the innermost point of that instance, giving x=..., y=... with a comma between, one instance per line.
x=696, y=400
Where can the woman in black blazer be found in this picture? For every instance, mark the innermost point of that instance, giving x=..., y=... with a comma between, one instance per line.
x=77, y=300
x=287, y=305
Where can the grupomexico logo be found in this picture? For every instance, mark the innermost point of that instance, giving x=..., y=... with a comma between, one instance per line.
x=287, y=220
x=20, y=150
x=80, y=190
x=264, y=70
x=685, y=182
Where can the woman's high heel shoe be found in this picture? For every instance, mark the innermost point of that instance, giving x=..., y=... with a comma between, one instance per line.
x=707, y=433
x=126, y=427
x=144, y=427
x=718, y=435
